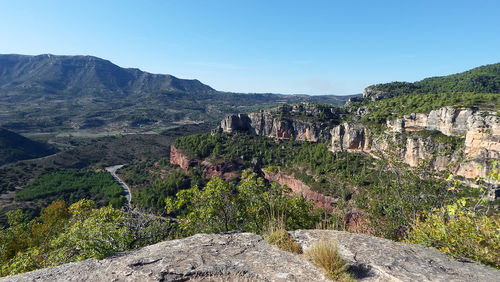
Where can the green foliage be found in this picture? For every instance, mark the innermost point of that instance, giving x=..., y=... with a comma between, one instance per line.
x=401, y=194
x=153, y=196
x=453, y=142
x=459, y=233
x=97, y=234
x=391, y=108
x=284, y=241
x=479, y=80
x=249, y=206
x=73, y=185
x=463, y=228
x=388, y=191
x=64, y=234
x=304, y=159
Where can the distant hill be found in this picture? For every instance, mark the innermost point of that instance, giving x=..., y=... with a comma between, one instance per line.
x=85, y=94
x=15, y=147
x=85, y=75
x=483, y=79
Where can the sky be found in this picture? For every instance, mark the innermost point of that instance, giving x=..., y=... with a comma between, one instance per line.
x=290, y=47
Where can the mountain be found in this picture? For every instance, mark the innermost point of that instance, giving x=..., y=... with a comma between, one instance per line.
x=483, y=79
x=14, y=147
x=89, y=95
x=84, y=75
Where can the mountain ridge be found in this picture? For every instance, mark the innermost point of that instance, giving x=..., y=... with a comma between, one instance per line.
x=482, y=79
x=69, y=73
x=49, y=93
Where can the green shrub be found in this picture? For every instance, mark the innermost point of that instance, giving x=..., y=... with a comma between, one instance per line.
x=459, y=233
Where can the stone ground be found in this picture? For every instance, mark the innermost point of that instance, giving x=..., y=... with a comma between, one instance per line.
x=247, y=257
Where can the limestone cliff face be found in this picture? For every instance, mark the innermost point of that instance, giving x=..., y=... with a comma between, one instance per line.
x=350, y=137
x=247, y=257
x=298, y=187
x=481, y=130
x=298, y=121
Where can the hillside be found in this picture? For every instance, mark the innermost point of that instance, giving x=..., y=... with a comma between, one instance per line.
x=86, y=95
x=15, y=147
x=483, y=79
x=410, y=167
x=83, y=75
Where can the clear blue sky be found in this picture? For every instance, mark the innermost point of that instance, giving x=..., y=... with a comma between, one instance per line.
x=313, y=47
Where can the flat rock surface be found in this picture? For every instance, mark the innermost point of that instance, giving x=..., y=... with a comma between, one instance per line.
x=202, y=257
x=247, y=257
x=376, y=259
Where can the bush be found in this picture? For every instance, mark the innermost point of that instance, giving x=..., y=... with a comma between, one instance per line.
x=459, y=233
x=325, y=255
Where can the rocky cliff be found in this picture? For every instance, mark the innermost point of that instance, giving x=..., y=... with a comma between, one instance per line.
x=474, y=135
x=305, y=122
x=298, y=187
x=177, y=158
x=224, y=170
x=247, y=257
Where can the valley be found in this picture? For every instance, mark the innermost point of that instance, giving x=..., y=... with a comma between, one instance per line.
x=383, y=163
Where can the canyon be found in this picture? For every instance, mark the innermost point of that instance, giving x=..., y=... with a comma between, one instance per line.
x=476, y=132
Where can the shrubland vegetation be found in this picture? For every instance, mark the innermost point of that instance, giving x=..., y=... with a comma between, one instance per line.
x=311, y=162
x=73, y=185
x=88, y=154
x=483, y=79
x=63, y=234
x=252, y=205
x=391, y=108
x=463, y=228
x=390, y=193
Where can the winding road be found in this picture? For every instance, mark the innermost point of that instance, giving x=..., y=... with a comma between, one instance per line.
x=126, y=189
x=128, y=194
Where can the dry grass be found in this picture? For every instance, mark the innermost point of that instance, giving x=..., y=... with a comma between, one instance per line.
x=325, y=255
x=284, y=241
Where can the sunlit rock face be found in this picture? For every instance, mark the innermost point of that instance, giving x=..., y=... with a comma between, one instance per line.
x=480, y=131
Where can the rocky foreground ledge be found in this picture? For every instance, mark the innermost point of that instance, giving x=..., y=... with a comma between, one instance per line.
x=247, y=257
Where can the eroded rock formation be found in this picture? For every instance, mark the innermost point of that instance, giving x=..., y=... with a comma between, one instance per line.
x=176, y=157
x=305, y=122
x=298, y=187
x=480, y=130
x=247, y=257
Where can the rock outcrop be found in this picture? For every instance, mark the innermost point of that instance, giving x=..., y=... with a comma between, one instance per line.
x=480, y=131
x=224, y=170
x=376, y=259
x=304, y=122
x=350, y=137
x=247, y=257
x=375, y=95
x=177, y=158
x=298, y=187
